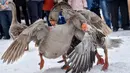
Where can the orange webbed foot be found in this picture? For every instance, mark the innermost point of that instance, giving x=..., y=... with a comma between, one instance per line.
x=100, y=61
x=67, y=67
x=26, y=49
x=42, y=61
x=41, y=64
x=105, y=66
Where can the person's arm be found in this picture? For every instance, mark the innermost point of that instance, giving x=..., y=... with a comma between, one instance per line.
x=3, y=6
x=6, y=4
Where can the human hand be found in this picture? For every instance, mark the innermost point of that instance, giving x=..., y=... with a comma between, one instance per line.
x=2, y=7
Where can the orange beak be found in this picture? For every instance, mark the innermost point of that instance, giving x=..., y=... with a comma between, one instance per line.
x=53, y=23
x=84, y=27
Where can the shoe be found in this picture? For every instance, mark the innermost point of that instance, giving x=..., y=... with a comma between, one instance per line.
x=1, y=36
x=115, y=30
x=6, y=38
x=127, y=28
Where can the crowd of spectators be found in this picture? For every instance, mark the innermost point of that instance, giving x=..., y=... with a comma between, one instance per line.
x=115, y=12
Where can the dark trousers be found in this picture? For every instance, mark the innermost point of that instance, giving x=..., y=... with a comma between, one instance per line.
x=114, y=8
x=43, y=14
x=35, y=10
x=47, y=17
x=6, y=18
x=96, y=11
x=25, y=13
x=96, y=7
x=1, y=30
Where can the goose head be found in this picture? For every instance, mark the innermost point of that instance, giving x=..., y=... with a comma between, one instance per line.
x=54, y=13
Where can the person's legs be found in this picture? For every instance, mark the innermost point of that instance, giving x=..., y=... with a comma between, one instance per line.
x=124, y=14
x=119, y=19
x=25, y=13
x=18, y=14
x=40, y=5
x=89, y=3
x=95, y=7
x=96, y=11
x=105, y=12
x=5, y=22
x=1, y=31
x=9, y=13
x=32, y=7
x=113, y=7
x=47, y=17
x=43, y=14
x=9, y=20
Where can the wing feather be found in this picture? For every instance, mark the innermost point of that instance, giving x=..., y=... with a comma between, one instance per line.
x=96, y=21
x=33, y=32
x=81, y=59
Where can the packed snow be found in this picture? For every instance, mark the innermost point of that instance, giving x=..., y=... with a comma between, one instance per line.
x=119, y=59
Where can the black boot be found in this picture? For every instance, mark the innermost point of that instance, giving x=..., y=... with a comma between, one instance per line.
x=6, y=38
x=1, y=35
x=126, y=28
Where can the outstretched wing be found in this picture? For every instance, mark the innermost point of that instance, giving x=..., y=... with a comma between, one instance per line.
x=82, y=57
x=37, y=30
x=96, y=21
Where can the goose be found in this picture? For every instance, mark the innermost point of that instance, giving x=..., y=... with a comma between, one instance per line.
x=99, y=33
x=56, y=42
x=16, y=28
x=52, y=43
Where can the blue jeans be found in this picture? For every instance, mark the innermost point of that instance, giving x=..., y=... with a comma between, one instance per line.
x=104, y=8
x=89, y=3
x=5, y=18
x=105, y=12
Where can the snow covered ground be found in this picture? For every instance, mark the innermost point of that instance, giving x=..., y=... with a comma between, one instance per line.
x=119, y=59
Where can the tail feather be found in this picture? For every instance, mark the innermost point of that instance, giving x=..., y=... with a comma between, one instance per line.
x=114, y=43
x=15, y=51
